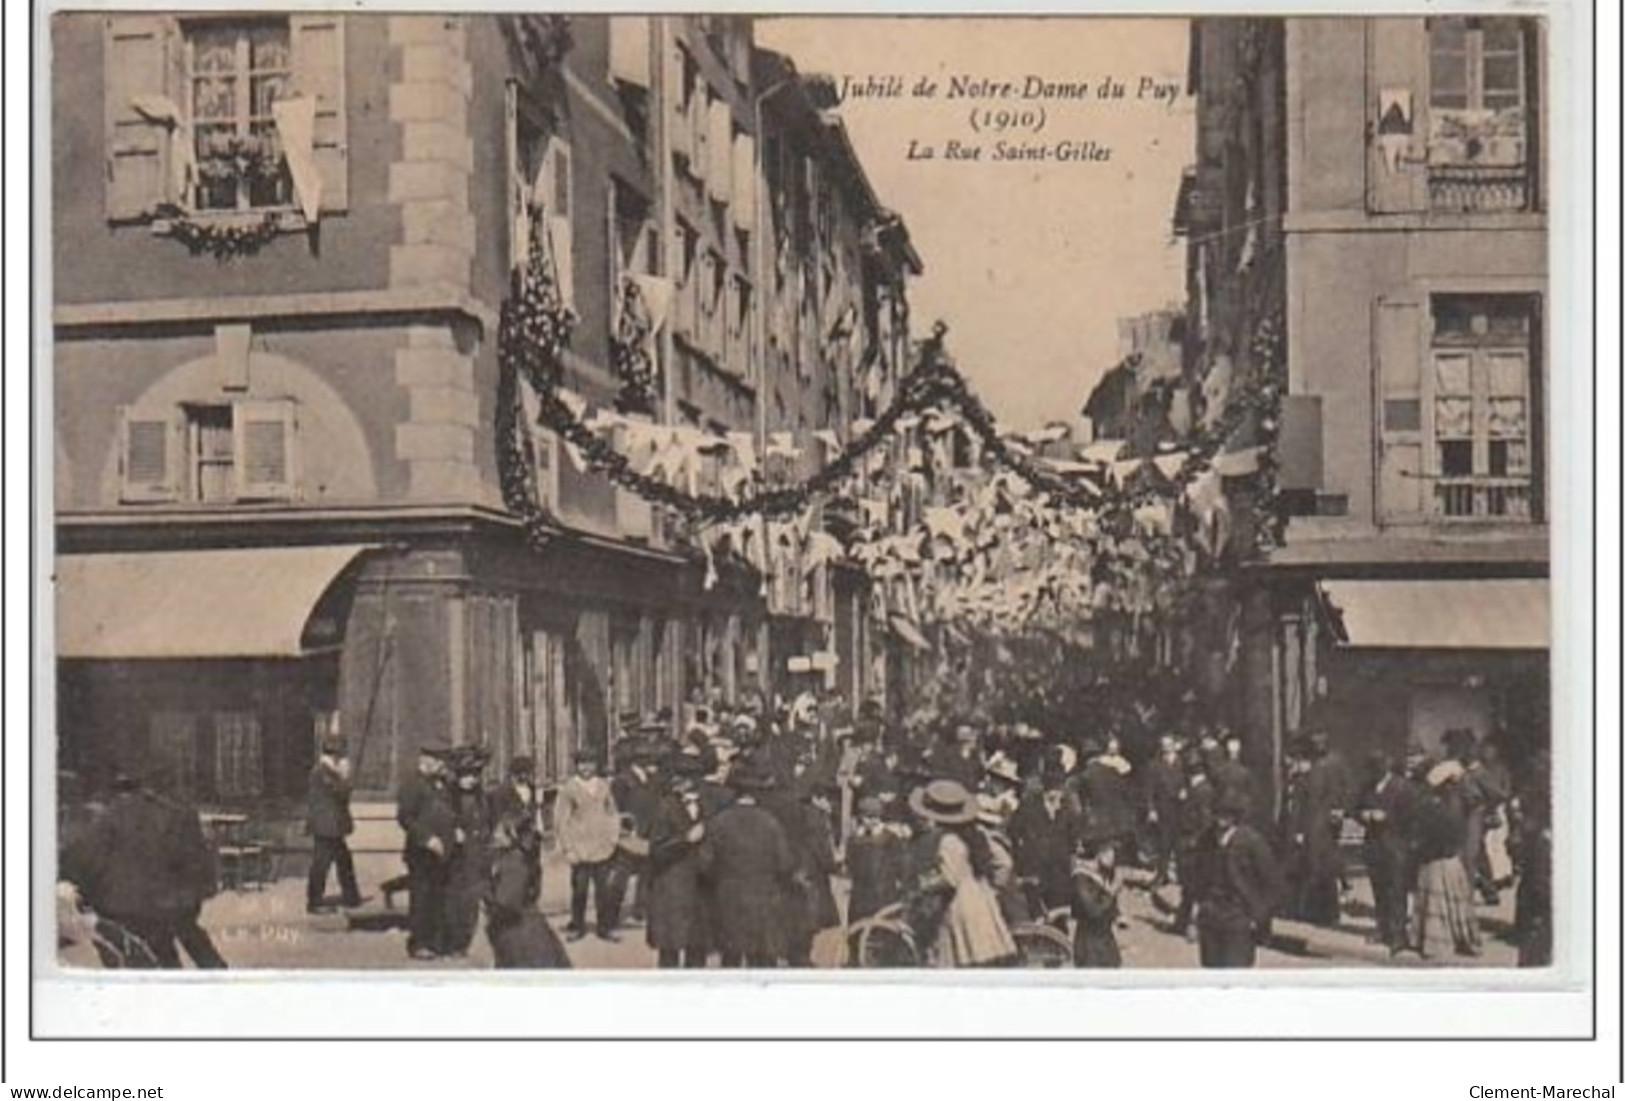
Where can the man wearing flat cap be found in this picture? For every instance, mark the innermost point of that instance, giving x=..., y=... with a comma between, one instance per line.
x=329, y=823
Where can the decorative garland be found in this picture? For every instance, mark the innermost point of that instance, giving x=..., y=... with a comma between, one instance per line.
x=629, y=353
x=535, y=330
x=222, y=240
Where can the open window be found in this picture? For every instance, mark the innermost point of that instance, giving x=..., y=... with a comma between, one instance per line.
x=209, y=452
x=192, y=112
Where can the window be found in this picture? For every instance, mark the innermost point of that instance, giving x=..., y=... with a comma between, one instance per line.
x=191, y=109
x=1481, y=407
x=209, y=453
x=235, y=73
x=1480, y=110
x=540, y=189
x=208, y=756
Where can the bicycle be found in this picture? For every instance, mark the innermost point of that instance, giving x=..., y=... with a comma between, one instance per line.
x=886, y=939
x=1043, y=945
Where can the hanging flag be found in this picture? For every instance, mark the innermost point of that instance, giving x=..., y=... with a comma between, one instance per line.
x=1172, y=463
x=743, y=445
x=1237, y=464
x=782, y=445
x=577, y=405
x=1216, y=390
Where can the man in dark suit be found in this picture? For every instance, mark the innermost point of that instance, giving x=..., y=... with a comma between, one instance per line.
x=1231, y=776
x=1239, y=895
x=150, y=872
x=329, y=823
x=746, y=859
x=1165, y=779
x=1043, y=831
x=961, y=759
x=638, y=792
x=424, y=810
x=1387, y=812
x=678, y=911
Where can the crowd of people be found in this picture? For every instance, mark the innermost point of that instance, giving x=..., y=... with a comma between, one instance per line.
x=725, y=837
x=724, y=842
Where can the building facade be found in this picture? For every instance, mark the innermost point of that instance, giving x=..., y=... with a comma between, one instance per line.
x=1367, y=245
x=279, y=493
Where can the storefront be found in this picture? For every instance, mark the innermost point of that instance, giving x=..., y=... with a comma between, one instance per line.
x=210, y=672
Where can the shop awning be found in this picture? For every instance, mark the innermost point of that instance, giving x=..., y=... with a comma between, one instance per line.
x=1499, y=614
x=192, y=604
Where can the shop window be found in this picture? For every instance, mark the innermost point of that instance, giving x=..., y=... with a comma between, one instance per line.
x=191, y=112
x=208, y=756
x=1480, y=109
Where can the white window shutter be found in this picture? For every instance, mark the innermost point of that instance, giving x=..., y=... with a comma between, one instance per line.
x=719, y=144
x=744, y=182
x=514, y=181
x=1397, y=75
x=318, y=70
x=264, y=455
x=629, y=49
x=561, y=236
x=151, y=446
x=1399, y=338
x=137, y=62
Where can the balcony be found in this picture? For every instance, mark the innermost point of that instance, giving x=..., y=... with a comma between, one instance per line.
x=1469, y=188
x=1482, y=498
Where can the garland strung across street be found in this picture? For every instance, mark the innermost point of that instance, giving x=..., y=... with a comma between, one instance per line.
x=535, y=330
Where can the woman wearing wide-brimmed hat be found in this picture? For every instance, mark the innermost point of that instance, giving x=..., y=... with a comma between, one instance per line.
x=973, y=932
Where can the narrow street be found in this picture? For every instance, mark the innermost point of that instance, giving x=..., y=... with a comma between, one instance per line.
x=269, y=929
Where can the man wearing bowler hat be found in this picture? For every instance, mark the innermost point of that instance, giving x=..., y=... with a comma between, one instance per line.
x=1240, y=891
x=425, y=811
x=329, y=823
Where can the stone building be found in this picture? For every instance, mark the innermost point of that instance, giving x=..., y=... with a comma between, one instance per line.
x=280, y=244
x=1366, y=239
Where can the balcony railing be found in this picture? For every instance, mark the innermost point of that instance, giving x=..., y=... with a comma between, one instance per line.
x=1464, y=188
x=1482, y=498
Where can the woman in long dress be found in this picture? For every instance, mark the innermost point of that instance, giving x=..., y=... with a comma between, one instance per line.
x=1445, y=919
x=972, y=932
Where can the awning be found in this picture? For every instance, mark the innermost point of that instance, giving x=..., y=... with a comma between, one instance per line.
x=904, y=629
x=1500, y=614
x=192, y=604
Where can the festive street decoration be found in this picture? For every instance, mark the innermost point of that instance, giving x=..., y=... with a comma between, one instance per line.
x=224, y=240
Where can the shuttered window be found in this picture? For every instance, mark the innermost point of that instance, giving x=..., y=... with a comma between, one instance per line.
x=191, y=111
x=209, y=453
